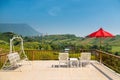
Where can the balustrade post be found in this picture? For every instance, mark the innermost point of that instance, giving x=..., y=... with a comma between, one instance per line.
x=32, y=54
x=0, y=61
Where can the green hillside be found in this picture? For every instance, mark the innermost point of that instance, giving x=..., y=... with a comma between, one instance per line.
x=60, y=42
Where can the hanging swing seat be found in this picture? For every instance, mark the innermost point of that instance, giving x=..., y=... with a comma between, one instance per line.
x=14, y=58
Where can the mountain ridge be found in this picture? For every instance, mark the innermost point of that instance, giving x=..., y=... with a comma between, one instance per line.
x=19, y=28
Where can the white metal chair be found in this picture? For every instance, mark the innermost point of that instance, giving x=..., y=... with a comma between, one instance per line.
x=63, y=59
x=85, y=58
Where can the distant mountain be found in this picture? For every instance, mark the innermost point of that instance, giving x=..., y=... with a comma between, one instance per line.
x=21, y=29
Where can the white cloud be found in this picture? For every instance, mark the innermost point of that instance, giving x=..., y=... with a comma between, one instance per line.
x=54, y=11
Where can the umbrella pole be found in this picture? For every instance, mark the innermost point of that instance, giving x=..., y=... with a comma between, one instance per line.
x=100, y=50
x=100, y=44
x=100, y=57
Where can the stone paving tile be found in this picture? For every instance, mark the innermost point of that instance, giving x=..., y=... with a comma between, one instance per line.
x=43, y=70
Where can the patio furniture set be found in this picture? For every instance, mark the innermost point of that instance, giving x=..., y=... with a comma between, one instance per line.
x=64, y=59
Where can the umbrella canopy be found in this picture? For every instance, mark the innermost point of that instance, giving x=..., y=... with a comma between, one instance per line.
x=100, y=33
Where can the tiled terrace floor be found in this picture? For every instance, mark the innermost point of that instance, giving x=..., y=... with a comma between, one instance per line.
x=43, y=70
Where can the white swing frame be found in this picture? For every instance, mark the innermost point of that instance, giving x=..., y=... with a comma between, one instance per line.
x=12, y=51
x=12, y=46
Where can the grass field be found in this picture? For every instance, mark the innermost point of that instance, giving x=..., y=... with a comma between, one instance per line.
x=115, y=48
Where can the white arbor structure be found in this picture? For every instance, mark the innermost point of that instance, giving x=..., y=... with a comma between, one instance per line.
x=21, y=47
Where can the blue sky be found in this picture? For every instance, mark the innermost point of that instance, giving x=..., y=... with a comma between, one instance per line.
x=79, y=17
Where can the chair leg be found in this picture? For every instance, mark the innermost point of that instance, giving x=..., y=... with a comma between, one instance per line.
x=67, y=64
x=81, y=64
x=59, y=64
x=77, y=63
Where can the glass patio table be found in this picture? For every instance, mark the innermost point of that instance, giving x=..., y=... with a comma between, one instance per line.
x=74, y=62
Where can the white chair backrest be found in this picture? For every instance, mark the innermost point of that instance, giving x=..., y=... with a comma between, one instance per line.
x=17, y=56
x=85, y=56
x=13, y=58
x=63, y=56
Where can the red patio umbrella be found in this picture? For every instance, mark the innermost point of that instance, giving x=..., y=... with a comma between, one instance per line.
x=100, y=34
